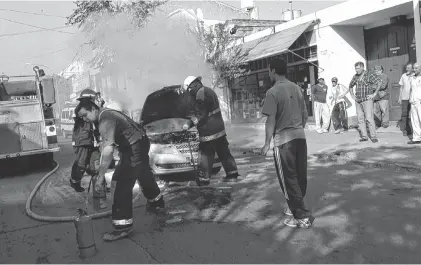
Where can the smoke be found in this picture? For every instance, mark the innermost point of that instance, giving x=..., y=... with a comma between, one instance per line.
x=163, y=53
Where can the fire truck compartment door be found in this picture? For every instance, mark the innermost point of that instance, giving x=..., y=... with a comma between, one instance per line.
x=31, y=136
x=16, y=112
x=10, y=138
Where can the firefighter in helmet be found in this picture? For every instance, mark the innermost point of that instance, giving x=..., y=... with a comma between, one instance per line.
x=207, y=117
x=85, y=140
x=117, y=130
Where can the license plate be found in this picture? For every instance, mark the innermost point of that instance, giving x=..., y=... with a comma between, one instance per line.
x=188, y=159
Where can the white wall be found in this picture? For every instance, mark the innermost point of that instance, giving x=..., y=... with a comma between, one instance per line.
x=338, y=49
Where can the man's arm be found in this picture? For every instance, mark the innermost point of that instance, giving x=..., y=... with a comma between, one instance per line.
x=269, y=109
x=376, y=82
x=400, y=89
x=200, y=112
x=304, y=110
x=329, y=96
x=107, y=131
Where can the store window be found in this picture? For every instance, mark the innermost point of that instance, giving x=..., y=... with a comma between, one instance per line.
x=247, y=96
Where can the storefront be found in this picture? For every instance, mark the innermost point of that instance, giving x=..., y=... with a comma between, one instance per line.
x=382, y=32
x=248, y=92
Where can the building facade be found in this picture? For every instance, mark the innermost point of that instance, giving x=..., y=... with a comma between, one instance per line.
x=374, y=32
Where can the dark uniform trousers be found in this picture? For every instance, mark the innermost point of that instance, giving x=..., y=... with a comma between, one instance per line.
x=83, y=162
x=291, y=168
x=207, y=153
x=134, y=165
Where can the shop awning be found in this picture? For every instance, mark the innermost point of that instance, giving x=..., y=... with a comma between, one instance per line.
x=273, y=44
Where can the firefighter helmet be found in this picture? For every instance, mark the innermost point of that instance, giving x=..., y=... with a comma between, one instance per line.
x=189, y=80
x=87, y=94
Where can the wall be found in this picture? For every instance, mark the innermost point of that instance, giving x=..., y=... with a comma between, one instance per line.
x=417, y=25
x=339, y=48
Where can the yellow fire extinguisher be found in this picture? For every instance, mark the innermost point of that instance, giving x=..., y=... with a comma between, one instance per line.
x=85, y=235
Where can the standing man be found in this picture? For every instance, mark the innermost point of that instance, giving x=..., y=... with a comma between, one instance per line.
x=415, y=100
x=381, y=100
x=207, y=118
x=286, y=118
x=118, y=130
x=364, y=83
x=405, y=83
x=336, y=98
x=321, y=108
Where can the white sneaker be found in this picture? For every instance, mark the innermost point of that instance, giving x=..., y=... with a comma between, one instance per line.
x=325, y=131
x=338, y=131
x=319, y=131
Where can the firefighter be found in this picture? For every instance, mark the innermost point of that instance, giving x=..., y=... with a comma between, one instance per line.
x=207, y=117
x=85, y=139
x=118, y=130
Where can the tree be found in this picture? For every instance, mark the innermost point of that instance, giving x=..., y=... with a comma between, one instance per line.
x=91, y=17
x=225, y=60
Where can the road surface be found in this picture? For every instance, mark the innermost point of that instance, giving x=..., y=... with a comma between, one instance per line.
x=363, y=215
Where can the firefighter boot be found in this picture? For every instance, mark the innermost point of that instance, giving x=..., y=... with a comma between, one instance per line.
x=76, y=186
x=117, y=234
x=231, y=178
x=156, y=206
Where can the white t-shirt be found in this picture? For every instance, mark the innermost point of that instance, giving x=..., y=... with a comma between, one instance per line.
x=415, y=96
x=405, y=83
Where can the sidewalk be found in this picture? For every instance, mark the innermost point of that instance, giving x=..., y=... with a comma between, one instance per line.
x=392, y=149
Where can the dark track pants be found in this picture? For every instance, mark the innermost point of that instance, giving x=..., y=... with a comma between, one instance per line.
x=405, y=123
x=82, y=162
x=207, y=154
x=339, y=117
x=134, y=165
x=291, y=168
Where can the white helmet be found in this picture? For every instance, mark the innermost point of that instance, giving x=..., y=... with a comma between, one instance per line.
x=189, y=80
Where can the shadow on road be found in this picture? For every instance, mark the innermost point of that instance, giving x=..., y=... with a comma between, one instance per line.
x=363, y=215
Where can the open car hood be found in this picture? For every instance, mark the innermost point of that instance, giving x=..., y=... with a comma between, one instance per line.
x=167, y=103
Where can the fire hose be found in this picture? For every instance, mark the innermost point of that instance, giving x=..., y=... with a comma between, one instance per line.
x=38, y=217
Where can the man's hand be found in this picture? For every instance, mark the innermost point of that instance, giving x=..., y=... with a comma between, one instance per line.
x=99, y=185
x=264, y=150
x=371, y=97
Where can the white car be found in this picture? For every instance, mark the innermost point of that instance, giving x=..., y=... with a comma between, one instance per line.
x=174, y=152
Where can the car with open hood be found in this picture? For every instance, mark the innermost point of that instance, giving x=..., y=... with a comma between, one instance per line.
x=172, y=148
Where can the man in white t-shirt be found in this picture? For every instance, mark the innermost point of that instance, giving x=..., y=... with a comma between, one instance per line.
x=405, y=83
x=336, y=99
x=415, y=101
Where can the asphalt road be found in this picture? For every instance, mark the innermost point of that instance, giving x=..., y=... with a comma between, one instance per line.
x=363, y=215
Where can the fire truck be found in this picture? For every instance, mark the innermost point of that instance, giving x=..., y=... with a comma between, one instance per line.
x=27, y=124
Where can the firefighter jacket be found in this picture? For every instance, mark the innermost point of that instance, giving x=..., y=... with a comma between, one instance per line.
x=207, y=115
x=84, y=133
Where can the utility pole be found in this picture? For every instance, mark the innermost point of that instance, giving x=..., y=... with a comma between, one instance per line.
x=417, y=26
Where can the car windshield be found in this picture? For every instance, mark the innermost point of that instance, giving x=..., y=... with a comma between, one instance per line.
x=166, y=103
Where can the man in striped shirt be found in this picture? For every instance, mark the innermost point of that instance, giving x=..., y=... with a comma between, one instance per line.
x=367, y=86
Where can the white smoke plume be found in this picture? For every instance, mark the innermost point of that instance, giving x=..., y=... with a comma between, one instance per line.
x=162, y=53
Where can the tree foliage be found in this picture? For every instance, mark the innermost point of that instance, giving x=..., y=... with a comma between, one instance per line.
x=91, y=17
x=225, y=60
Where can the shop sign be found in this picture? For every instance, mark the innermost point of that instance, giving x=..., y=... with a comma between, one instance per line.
x=395, y=49
x=308, y=91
